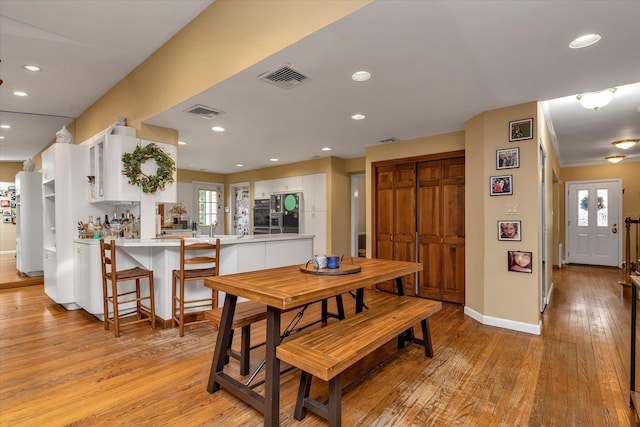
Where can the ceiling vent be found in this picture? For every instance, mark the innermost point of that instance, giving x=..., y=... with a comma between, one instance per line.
x=203, y=112
x=285, y=77
x=388, y=140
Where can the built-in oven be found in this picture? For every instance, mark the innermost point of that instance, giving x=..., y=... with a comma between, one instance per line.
x=275, y=214
x=261, y=215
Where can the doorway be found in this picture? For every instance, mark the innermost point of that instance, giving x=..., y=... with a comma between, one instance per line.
x=594, y=222
x=358, y=212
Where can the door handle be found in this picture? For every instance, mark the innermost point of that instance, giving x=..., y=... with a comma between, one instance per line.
x=614, y=229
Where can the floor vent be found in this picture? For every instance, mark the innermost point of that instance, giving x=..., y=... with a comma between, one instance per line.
x=203, y=112
x=285, y=77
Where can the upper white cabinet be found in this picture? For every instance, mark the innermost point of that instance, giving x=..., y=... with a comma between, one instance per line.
x=262, y=189
x=105, y=166
x=292, y=183
x=314, y=189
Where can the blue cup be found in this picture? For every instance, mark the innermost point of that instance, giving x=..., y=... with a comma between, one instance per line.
x=333, y=262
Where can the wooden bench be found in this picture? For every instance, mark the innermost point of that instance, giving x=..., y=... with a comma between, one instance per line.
x=326, y=352
x=249, y=312
x=246, y=313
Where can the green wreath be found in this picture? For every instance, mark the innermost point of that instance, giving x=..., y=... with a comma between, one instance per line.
x=133, y=168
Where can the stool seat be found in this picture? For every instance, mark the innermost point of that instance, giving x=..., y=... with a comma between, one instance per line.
x=116, y=297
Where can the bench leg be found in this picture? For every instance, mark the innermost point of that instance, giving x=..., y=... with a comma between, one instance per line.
x=245, y=349
x=335, y=401
x=426, y=337
x=303, y=393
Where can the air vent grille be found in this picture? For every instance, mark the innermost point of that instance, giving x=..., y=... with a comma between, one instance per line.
x=285, y=77
x=388, y=140
x=203, y=112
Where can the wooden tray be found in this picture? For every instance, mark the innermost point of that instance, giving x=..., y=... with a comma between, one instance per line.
x=344, y=268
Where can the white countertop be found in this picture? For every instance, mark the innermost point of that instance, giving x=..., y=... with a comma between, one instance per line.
x=224, y=239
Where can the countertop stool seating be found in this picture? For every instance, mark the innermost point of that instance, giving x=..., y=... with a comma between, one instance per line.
x=192, y=255
x=117, y=297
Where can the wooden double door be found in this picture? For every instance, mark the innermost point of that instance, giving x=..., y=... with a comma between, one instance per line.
x=419, y=216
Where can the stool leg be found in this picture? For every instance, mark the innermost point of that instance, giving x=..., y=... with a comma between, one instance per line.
x=181, y=304
x=173, y=301
x=303, y=393
x=152, y=301
x=114, y=300
x=335, y=401
x=105, y=297
x=138, y=302
x=245, y=349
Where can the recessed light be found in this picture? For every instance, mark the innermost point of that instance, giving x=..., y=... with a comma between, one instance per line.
x=240, y=165
x=182, y=143
x=32, y=68
x=584, y=41
x=5, y=126
x=20, y=93
x=614, y=159
x=360, y=76
x=326, y=148
x=274, y=160
x=358, y=116
x=217, y=129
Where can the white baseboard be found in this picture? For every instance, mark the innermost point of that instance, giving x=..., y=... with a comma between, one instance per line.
x=504, y=323
x=7, y=252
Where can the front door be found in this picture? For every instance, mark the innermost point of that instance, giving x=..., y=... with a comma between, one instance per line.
x=593, y=222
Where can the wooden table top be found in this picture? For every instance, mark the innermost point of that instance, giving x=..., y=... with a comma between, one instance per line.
x=288, y=287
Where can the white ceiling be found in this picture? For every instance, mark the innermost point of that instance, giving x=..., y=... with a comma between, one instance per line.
x=435, y=64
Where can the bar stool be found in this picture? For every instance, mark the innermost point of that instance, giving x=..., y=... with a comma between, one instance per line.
x=111, y=273
x=195, y=254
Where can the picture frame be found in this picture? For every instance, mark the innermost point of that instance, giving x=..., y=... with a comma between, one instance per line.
x=6, y=212
x=510, y=230
x=14, y=220
x=4, y=193
x=508, y=158
x=5, y=203
x=6, y=220
x=520, y=130
x=520, y=261
x=501, y=185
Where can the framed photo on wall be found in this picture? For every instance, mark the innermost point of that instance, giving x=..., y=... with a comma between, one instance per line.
x=520, y=130
x=520, y=261
x=510, y=230
x=508, y=158
x=501, y=185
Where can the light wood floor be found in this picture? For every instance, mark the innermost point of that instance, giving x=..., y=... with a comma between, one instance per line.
x=10, y=277
x=60, y=367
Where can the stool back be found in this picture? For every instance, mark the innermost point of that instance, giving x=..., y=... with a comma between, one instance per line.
x=200, y=254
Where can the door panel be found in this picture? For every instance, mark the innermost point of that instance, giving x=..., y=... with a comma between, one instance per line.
x=594, y=223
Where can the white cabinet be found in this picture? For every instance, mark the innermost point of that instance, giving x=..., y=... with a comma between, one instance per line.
x=315, y=223
x=105, y=166
x=289, y=184
x=87, y=277
x=262, y=189
x=64, y=204
x=29, y=223
x=314, y=189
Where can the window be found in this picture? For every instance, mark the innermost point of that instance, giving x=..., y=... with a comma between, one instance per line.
x=583, y=208
x=603, y=211
x=207, y=207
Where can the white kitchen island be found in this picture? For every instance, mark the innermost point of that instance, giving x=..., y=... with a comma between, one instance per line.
x=162, y=255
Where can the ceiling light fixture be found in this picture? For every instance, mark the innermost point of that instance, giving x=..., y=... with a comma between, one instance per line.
x=358, y=116
x=625, y=144
x=274, y=160
x=596, y=100
x=360, y=76
x=5, y=126
x=239, y=165
x=217, y=129
x=32, y=68
x=20, y=93
x=182, y=143
x=584, y=41
x=326, y=148
x=1, y=137
x=614, y=159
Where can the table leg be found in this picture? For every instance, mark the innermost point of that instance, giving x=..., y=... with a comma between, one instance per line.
x=400, y=285
x=272, y=370
x=359, y=300
x=223, y=342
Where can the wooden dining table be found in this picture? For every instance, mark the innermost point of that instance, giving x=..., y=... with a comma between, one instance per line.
x=282, y=289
